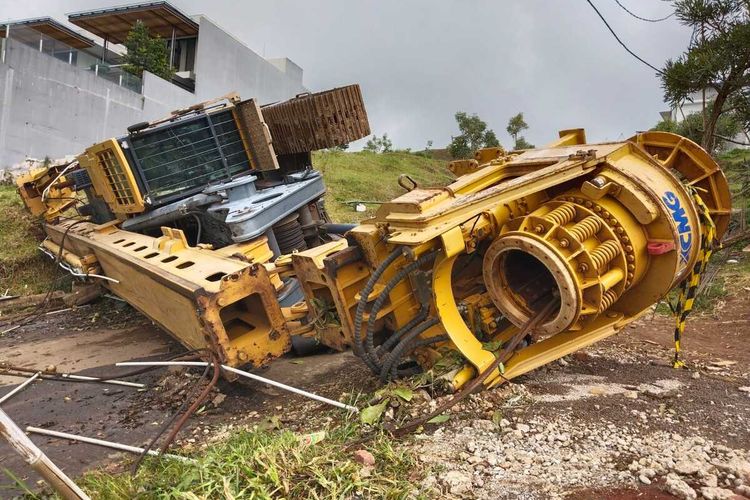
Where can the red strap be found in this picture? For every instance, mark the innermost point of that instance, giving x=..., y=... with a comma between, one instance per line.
x=659, y=247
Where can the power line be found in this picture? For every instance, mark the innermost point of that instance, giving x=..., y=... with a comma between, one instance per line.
x=620, y=41
x=643, y=18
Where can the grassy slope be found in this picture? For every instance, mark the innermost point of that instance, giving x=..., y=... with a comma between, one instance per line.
x=23, y=269
x=372, y=177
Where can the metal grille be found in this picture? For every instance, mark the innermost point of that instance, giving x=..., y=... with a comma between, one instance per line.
x=189, y=154
x=116, y=177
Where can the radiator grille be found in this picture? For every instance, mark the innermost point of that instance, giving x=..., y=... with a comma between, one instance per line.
x=116, y=177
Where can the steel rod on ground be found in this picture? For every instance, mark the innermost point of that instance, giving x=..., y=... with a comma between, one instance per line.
x=20, y=387
x=101, y=442
x=50, y=375
x=39, y=461
x=249, y=375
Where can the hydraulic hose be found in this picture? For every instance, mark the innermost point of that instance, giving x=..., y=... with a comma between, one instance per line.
x=342, y=229
x=397, y=372
x=363, y=296
x=385, y=346
x=380, y=301
x=390, y=362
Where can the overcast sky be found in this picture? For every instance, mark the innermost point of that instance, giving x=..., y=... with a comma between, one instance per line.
x=420, y=61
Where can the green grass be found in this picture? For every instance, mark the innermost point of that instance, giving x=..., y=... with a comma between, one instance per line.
x=734, y=157
x=23, y=269
x=369, y=177
x=266, y=465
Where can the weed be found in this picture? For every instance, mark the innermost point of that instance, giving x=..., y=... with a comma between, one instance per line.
x=23, y=269
x=265, y=465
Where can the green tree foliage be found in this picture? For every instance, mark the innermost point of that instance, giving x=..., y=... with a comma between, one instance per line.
x=516, y=125
x=692, y=128
x=474, y=135
x=146, y=52
x=379, y=144
x=718, y=58
x=522, y=143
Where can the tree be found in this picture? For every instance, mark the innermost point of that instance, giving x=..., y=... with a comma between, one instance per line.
x=146, y=52
x=692, y=127
x=516, y=125
x=474, y=135
x=379, y=144
x=717, y=58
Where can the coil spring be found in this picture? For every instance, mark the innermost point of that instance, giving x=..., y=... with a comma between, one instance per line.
x=289, y=235
x=608, y=299
x=562, y=214
x=586, y=228
x=605, y=253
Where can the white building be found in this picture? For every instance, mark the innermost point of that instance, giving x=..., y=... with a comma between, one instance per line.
x=61, y=91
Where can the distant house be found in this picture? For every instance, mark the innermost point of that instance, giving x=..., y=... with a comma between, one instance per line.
x=694, y=105
x=62, y=89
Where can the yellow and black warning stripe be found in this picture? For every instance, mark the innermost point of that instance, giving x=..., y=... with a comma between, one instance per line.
x=689, y=287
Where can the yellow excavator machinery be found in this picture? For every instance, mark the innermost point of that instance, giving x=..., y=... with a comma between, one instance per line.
x=211, y=223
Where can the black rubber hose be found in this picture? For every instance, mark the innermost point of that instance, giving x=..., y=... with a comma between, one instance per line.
x=380, y=301
x=385, y=346
x=390, y=364
x=419, y=343
x=363, y=296
x=338, y=228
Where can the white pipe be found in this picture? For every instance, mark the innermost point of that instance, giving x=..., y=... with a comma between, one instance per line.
x=72, y=270
x=66, y=309
x=10, y=329
x=106, y=444
x=20, y=387
x=246, y=375
x=103, y=381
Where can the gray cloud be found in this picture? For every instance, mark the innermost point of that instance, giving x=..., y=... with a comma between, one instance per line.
x=420, y=61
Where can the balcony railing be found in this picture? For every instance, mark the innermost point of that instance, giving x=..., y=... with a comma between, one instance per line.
x=110, y=69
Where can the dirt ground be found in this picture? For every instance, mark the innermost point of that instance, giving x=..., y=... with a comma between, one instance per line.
x=615, y=421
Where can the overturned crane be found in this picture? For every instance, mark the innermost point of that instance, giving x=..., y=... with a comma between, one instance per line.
x=211, y=224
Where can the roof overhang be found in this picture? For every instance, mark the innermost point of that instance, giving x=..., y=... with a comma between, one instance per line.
x=51, y=28
x=115, y=23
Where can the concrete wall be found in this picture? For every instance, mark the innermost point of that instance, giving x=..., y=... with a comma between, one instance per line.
x=224, y=64
x=50, y=108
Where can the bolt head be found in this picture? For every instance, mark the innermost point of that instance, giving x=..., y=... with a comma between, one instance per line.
x=598, y=181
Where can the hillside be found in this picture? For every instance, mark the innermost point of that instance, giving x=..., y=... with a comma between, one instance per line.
x=371, y=177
